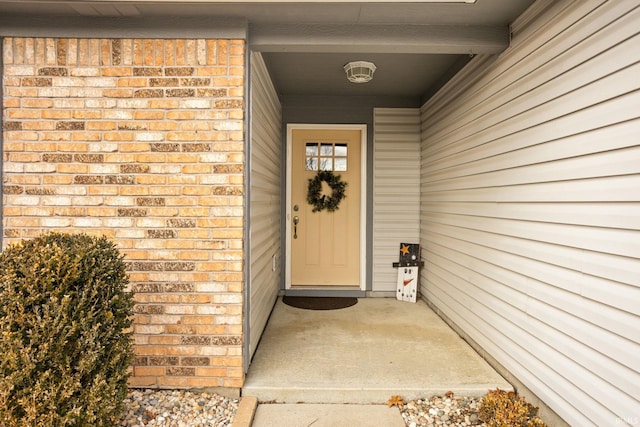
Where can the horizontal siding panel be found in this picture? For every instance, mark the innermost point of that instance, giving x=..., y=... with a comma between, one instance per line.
x=265, y=184
x=396, y=212
x=605, y=24
x=575, y=65
x=575, y=126
x=621, y=271
x=534, y=322
x=512, y=93
x=610, y=163
x=592, y=24
x=392, y=160
x=551, y=390
x=396, y=190
x=511, y=152
x=612, y=189
x=555, y=286
x=611, y=241
x=530, y=206
x=548, y=102
x=516, y=331
x=528, y=95
x=590, y=105
x=624, y=216
x=550, y=386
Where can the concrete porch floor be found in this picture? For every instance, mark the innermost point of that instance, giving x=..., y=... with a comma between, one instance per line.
x=364, y=354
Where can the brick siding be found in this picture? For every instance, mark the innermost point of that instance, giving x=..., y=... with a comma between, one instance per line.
x=141, y=141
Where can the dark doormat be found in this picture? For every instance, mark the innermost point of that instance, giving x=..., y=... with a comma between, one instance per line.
x=319, y=303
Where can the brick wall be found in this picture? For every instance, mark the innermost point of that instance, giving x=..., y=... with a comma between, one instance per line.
x=141, y=141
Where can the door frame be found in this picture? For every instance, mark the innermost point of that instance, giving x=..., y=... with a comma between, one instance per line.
x=363, y=201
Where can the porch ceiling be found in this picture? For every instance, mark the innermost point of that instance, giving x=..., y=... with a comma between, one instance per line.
x=416, y=45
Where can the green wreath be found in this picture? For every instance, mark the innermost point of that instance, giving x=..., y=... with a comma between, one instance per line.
x=321, y=201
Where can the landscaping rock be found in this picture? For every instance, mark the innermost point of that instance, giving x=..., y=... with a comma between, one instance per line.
x=177, y=408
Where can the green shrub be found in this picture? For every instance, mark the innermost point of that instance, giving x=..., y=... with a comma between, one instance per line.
x=499, y=408
x=65, y=340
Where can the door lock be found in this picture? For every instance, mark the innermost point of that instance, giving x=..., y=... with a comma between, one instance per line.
x=295, y=226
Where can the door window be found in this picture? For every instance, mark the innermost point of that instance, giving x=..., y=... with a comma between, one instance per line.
x=326, y=156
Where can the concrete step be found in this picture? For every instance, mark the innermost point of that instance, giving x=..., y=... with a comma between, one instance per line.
x=357, y=396
x=364, y=354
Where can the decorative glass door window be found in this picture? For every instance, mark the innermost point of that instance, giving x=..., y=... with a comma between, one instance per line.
x=326, y=156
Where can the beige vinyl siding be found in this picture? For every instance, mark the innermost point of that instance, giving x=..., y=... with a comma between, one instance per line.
x=396, y=189
x=266, y=165
x=530, y=207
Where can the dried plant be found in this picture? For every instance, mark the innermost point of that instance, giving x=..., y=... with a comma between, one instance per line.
x=499, y=408
x=65, y=340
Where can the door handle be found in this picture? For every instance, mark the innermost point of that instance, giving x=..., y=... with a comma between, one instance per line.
x=295, y=226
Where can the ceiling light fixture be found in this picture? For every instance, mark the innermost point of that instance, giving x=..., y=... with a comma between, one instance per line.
x=360, y=71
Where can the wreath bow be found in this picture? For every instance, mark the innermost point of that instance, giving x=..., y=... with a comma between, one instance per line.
x=321, y=201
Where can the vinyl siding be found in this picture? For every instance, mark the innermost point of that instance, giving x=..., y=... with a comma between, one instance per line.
x=530, y=207
x=266, y=165
x=396, y=190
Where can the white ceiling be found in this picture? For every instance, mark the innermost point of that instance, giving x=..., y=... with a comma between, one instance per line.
x=416, y=45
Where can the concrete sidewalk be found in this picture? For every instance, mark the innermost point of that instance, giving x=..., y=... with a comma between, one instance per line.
x=319, y=415
x=252, y=414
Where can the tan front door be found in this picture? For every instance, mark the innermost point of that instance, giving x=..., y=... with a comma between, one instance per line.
x=325, y=246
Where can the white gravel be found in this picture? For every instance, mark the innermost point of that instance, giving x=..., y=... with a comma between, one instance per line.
x=449, y=410
x=180, y=408
x=177, y=408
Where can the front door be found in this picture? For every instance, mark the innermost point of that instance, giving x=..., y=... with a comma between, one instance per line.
x=324, y=244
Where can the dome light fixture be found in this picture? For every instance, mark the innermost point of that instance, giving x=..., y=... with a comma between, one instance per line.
x=360, y=71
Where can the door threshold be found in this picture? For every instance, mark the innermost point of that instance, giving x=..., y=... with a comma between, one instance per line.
x=324, y=292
